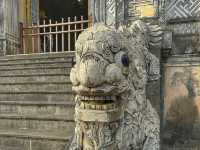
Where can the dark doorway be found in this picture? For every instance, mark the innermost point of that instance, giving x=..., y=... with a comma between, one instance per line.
x=57, y=9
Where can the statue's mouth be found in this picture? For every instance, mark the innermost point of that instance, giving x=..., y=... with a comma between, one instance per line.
x=98, y=98
x=102, y=103
x=97, y=93
x=97, y=102
x=101, y=108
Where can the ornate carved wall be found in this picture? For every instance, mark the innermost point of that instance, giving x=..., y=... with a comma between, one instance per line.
x=182, y=9
x=121, y=11
x=182, y=20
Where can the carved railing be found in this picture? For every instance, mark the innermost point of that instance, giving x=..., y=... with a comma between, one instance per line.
x=50, y=37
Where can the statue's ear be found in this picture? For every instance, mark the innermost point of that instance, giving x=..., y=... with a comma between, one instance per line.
x=155, y=36
x=153, y=33
x=153, y=67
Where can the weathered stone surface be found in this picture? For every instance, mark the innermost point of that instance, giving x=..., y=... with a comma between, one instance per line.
x=14, y=143
x=180, y=9
x=28, y=108
x=111, y=72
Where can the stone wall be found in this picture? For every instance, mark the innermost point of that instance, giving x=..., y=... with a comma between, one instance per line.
x=181, y=125
x=181, y=67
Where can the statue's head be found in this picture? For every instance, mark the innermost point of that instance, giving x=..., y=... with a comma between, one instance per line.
x=109, y=67
x=101, y=66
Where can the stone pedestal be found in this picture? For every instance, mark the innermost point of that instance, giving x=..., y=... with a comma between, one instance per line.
x=96, y=128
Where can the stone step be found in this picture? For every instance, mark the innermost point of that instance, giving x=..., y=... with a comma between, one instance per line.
x=37, y=122
x=37, y=96
x=35, y=64
x=36, y=102
x=54, y=57
x=34, y=79
x=36, y=87
x=35, y=70
x=28, y=108
x=34, y=140
x=189, y=145
x=41, y=117
x=35, y=74
x=9, y=148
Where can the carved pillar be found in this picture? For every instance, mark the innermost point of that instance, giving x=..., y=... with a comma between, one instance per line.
x=9, y=37
x=2, y=25
x=110, y=12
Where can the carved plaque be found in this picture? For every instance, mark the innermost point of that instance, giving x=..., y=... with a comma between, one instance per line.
x=182, y=101
x=138, y=9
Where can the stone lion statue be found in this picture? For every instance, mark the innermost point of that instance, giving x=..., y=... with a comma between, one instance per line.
x=112, y=69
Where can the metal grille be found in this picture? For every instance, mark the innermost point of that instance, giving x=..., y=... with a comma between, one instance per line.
x=49, y=36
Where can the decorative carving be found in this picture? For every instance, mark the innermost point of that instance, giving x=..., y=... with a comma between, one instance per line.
x=181, y=9
x=185, y=38
x=136, y=8
x=110, y=12
x=1, y=16
x=110, y=76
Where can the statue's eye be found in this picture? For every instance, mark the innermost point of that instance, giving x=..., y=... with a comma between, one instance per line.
x=125, y=60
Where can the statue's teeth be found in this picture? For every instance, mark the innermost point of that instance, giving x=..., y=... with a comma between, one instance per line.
x=82, y=105
x=82, y=97
x=110, y=106
x=85, y=98
x=98, y=107
x=89, y=106
x=104, y=107
x=93, y=106
x=96, y=98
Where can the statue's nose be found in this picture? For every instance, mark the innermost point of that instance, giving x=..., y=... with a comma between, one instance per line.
x=91, y=74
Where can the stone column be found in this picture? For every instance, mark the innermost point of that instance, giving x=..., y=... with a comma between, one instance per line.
x=9, y=30
x=2, y=31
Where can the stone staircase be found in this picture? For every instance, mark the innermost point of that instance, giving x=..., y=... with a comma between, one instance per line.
x=36, y=102
x=196, y=130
